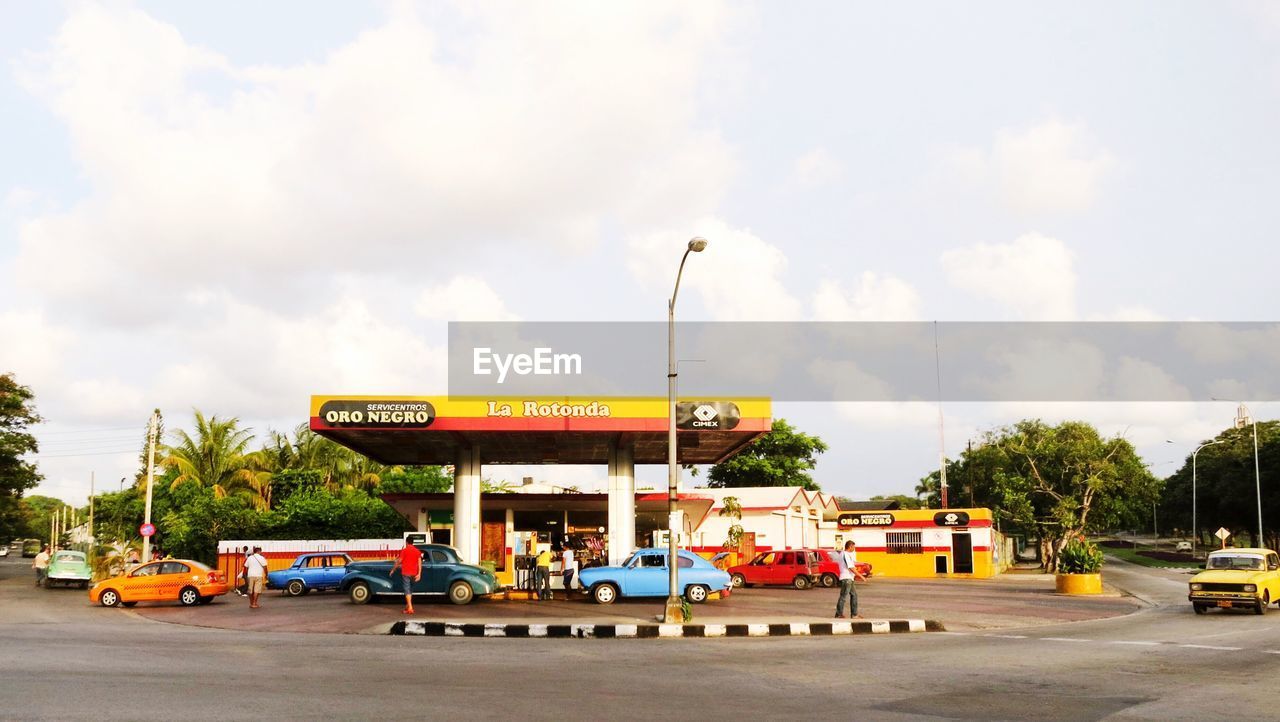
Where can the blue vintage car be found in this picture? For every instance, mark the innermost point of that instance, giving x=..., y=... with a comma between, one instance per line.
x=442, y=573
x=317, y=570
x=645, y=574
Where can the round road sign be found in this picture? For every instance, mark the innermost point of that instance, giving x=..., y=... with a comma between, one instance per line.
x=147, y=529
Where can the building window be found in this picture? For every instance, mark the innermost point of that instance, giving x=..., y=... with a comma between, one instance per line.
x=902, y=542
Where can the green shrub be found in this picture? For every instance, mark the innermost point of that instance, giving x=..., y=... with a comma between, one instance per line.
x=1080, y=557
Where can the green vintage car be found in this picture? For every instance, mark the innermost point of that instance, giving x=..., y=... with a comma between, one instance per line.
x=68, y=567
x=443, y=573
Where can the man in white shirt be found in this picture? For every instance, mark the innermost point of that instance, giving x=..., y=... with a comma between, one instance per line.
x=567, y=566
x=255, y=571
x=848, y=573
x=41, y=564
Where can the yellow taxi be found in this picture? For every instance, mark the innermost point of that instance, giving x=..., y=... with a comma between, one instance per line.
x=1243, y=578
x=169, y=580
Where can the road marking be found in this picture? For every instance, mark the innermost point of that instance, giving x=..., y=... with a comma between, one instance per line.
x=1064, y=639
x=1144, y=644
x=956, y=634
x=1209, y=646
x=1008, y=636
x=1271, y=651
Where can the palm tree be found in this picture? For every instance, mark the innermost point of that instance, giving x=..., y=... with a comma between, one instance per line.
x=216, y=458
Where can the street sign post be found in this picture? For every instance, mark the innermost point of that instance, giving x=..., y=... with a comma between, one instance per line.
x=1222, y=534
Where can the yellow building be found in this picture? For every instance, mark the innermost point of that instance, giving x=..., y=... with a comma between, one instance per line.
x=921, y=542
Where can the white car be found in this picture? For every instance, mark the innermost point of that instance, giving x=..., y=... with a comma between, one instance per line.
x=1183, y=546
x=4, y=551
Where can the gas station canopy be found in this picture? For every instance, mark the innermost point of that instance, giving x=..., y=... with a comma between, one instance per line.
x=413, y=430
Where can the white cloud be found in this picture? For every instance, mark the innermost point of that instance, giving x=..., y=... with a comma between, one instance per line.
x=874, y=298
x=1048, y=168
x=738, y=276
x=397, y=152
x=463, y=298
x=1033, y=276
x=33, y=348
x=814, y=169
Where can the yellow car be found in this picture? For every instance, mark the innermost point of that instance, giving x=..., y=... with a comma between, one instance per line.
x=1247, y=578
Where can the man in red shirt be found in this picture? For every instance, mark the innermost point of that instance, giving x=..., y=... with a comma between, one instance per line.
x=410, y=565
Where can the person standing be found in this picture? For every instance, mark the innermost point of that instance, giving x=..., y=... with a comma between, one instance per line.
x=410, y=565
x=543, y=578
x=848, y=574
x=242, y=580
x=41, y=564
x=255, y=572
x=568, y=566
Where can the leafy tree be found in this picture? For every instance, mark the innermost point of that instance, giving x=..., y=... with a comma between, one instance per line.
x=782, y=457
x=36, y=513
x=1226, y=487
x=193, y=532
x=17, y=413
x=347, y=514
x=215, y=458
x=416, y=480
x=1057, y=482
x=732, y=508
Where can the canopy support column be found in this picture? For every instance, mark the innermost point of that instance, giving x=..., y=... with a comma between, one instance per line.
x=466, y=504
x=622, y=503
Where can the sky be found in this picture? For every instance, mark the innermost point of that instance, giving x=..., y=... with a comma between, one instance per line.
x=231, y=207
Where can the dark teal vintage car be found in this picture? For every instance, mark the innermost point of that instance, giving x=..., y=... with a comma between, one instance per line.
x=442, y=573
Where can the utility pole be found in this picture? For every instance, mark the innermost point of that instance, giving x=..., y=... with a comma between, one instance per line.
x=151, y=463
x=91, y=510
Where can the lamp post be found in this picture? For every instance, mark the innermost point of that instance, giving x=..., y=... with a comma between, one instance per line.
x=1244, y=419
x=1195, y=530
x=673, y=613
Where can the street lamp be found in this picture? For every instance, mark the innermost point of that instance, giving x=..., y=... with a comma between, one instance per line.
x=1243, y=419
x=674, y=613
x=1195, y=530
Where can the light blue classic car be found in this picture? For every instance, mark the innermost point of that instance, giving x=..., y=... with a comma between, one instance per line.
x=316, y=570
x=68, y=567
x=645, y=574
x=442, y=573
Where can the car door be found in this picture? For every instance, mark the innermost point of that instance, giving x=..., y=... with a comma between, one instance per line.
x=143, y=584
x=335, y=568
x=1273, y=576
x=173, y=576
x=437, y=567
x=648, y=577
x=757, y=572
x=778, y=570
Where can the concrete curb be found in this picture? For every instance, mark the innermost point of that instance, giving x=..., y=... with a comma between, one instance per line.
x=655, y=631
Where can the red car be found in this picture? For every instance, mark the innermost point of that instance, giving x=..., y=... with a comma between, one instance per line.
x=829, y=567
x=793, y=568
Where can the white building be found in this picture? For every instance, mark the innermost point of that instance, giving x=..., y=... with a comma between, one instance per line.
x=773, y=517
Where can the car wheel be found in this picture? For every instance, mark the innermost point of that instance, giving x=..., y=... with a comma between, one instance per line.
x=739, y=581
x=360, y=593
x=801, y=582
x=829, y=580
x=295, y=588
x=1263, y=604
x=604, y=593
x=460, y=592
x=696, y=593
x=109, y=598
x=1200, y=608
x=84, y=585
x=189, y=597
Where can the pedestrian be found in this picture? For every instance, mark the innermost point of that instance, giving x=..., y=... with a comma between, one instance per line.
x=255, y=571
x=568, y=566
x=410, y=565
x=41, y=564
x=242, y=579
x=132, y=557
x=543, y=578
x=848, y=574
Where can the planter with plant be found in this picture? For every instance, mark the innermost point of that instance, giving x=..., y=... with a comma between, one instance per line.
x=1079, y=568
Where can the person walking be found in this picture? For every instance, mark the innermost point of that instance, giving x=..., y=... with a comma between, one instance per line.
x=41, y=564
x=410, y=565
x=543, y=579
x=568, y=566
x=848, y=574
x=242, y=580
x=255, y=572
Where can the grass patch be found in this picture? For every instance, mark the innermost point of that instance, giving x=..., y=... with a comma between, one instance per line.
x=1129, y=554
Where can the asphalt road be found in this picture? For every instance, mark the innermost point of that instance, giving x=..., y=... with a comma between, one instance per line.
x=63, y=659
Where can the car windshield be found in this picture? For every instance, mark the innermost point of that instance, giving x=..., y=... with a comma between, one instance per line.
x=69, y=557
x=631, y=559
x=1235, y=561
